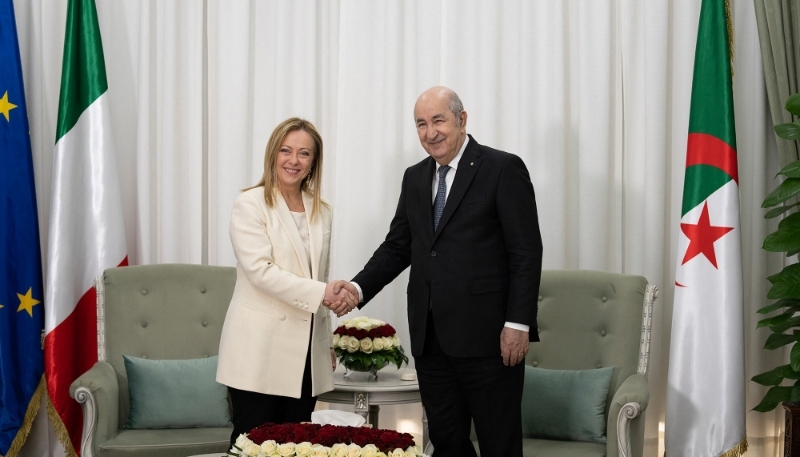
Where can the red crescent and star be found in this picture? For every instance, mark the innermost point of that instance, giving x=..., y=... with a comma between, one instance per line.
x=707, y=150
x=702, y=237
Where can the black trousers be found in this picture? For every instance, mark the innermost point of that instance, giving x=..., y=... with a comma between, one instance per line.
x=457, y=390
x=251, y=409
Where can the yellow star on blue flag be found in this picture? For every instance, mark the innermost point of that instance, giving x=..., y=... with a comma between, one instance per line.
x=6, y=106
x=21, y=354
x=27, y=302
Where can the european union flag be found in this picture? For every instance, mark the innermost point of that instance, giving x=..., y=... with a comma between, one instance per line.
x=21, y=310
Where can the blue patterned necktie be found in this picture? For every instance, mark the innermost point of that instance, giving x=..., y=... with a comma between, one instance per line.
x=441, y=195
x=438, y=207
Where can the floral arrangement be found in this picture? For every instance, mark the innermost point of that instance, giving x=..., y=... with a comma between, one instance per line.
x=314, y=440
x=364, y=344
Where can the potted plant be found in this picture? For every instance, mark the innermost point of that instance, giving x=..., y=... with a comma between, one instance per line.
x=785, y=287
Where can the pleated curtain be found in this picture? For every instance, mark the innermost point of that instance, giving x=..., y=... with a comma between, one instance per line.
x=592, y=94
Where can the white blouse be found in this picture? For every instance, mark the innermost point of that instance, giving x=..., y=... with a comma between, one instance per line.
x=301, y=222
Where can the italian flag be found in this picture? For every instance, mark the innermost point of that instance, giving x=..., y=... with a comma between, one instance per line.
x=705, y=414
x=86, y=233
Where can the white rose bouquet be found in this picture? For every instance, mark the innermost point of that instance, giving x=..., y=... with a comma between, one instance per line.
x=366, y=344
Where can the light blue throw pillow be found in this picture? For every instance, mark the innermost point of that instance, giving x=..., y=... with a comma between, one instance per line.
x=175, y=393
x=565, y=405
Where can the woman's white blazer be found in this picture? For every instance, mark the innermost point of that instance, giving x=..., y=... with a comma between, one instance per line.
x=265, y=336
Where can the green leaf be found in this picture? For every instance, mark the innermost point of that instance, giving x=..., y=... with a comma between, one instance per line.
x=775, y=376
x=775, y=212
x=786, y=190
x=777, y=340
x=791, y=253
x=780, y=328
x=785, y=284
x=793, y=104
x=792, y=170
x=775, y=320
x=777, y=276
x=775, y=396
x=361, y=361
x=787, y=237
x=790, y=131
x=794, y=357
x=790, y=221
x=784, y=302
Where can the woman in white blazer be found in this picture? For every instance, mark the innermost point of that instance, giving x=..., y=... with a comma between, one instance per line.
x=275, y=353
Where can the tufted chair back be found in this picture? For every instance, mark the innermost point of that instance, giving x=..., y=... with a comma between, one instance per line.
x=163, y=312
x=589, y=319
x=595, y=319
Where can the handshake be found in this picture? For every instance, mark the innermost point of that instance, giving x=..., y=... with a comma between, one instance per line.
x=341, y=297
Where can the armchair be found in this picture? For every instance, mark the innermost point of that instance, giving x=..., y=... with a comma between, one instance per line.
x=593, y=319
x=588, y=320
x=160, y=312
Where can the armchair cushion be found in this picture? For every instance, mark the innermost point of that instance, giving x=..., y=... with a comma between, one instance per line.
x=175, y=394
x=565, y=404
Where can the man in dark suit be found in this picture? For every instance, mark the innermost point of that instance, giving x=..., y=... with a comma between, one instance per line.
x=467, y=225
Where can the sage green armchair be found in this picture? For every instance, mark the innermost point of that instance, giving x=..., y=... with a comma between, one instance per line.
x=159, y=312
x=594, y=319
x=588, y=320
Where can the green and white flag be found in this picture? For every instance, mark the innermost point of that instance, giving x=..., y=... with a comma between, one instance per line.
x=705, y=415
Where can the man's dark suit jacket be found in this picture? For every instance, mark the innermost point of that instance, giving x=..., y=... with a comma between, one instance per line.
x=483, y=265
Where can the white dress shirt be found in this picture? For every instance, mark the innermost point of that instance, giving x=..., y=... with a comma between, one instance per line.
x=449, y=179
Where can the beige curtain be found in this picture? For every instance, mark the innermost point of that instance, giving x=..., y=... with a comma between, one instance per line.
x=779, y=35
x=778, y=25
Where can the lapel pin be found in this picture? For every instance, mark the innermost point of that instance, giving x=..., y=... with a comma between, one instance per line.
x=472, y=164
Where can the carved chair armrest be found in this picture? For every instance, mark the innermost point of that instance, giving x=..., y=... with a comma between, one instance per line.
x=97, y=391
x=628, y=403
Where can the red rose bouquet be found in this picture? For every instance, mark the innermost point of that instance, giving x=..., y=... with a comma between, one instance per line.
x=365, y=344
x=314, y=440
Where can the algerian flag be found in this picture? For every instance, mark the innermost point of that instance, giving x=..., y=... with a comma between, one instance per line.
x=86, y=226
x=705, y=391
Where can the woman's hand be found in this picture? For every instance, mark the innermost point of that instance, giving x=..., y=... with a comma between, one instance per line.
x=341, y=297
x=333, y=360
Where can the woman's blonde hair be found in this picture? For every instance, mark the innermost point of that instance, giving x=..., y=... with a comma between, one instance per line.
x=312, y=184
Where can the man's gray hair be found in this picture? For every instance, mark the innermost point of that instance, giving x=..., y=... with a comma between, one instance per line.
x=456, y=107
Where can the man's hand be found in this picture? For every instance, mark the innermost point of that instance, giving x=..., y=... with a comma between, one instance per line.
x=342, y=284
x=338, y=297
x=513, y=346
